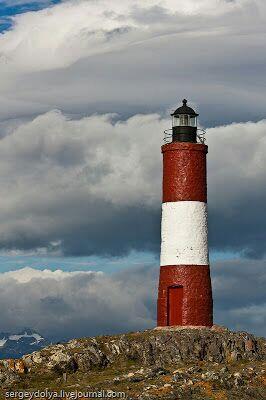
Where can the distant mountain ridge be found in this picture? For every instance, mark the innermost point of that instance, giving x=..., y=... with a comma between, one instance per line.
x=15, y=345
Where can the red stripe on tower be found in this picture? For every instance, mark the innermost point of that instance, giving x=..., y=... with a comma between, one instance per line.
x=185, y=294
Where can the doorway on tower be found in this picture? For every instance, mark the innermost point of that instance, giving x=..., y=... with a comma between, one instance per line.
x=174, y=305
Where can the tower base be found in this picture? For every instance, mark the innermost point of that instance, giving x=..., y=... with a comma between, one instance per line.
x=185, y=296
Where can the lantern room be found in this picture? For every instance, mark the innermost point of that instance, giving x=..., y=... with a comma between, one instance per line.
x=184, y=124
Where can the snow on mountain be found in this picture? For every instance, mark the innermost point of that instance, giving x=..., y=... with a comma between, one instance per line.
x=15, y=345
x=38, y=338
x=3, y=342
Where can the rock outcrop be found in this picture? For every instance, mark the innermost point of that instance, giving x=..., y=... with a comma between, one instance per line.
x=160, y=363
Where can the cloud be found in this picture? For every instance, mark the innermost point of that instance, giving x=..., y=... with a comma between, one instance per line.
x=12, y=3
x=9, y=8
x=76, y=56
x=236, y=191
x=28, y=274
x=80, y=28
x=81, y=183
x=93, y=185
x=62, y=305
x=239, y=294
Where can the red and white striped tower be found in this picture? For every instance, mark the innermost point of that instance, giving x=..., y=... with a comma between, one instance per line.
x=185, y=294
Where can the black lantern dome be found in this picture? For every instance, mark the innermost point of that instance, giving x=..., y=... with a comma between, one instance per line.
x=185, y=110
x=184, y=124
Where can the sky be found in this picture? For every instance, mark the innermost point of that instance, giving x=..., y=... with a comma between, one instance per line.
x=85, y=94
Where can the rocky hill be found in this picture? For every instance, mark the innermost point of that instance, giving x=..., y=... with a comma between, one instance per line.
x=173, y=363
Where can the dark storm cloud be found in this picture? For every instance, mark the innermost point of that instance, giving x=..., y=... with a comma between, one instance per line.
x=237, y=193
x=96, y=199
x=104, y=197
x=63, y=305
x=239, y=283
x=116, y=231
x=230, y=230
x=239, y=294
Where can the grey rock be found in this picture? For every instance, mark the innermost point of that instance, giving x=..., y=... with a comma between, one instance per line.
x=150, y=348
x=8, y=378
x=155, y=351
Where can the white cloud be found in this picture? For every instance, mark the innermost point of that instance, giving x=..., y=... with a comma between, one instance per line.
x=57, y=37
x=27, y=274
x=241, y=161
x=200, y=7
x=64, y=305
x=77, y=55
x=95, y=156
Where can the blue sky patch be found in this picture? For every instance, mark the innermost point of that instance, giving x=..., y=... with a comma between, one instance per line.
x=90, y=263
x=10, y=8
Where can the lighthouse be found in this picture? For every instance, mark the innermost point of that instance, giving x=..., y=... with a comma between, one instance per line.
x=185, y=293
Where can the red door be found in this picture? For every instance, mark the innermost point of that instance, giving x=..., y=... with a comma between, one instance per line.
x=175, y=305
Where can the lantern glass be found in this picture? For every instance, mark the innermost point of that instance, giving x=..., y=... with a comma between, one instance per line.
x=184, y=120
x=176, y=120
x=193, y=121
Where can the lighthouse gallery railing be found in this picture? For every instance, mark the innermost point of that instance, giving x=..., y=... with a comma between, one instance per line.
x=200, y=136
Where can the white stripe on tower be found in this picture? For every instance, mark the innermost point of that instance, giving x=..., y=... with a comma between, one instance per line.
x=184, y=233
